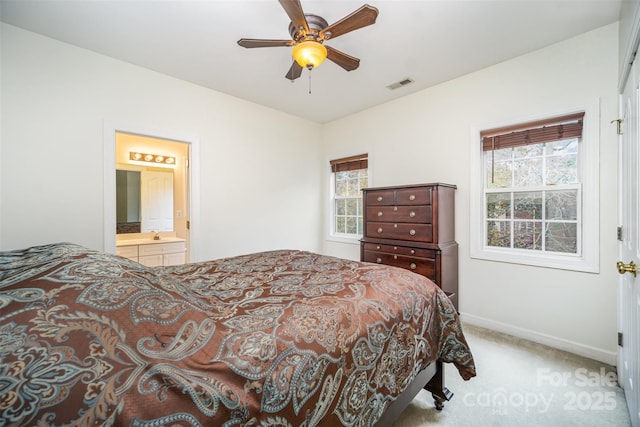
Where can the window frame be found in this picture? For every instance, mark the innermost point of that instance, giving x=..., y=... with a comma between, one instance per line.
x=332, y=235
x=587, y=257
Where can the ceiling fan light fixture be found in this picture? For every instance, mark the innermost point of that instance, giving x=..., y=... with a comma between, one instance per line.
x=309, y=54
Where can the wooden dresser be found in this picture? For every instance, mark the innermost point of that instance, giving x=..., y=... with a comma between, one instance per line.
x=412, y=227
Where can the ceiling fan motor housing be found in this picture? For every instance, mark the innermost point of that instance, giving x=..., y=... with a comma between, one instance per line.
x=316, y=24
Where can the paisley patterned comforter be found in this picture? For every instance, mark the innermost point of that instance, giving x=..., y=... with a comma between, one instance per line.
x=282, y=338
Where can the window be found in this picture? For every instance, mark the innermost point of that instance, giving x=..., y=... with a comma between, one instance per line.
x=348, y=176
x=535, y=201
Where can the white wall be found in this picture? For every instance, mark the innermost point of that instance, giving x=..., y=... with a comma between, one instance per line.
x=425, y=137
x=258, y=189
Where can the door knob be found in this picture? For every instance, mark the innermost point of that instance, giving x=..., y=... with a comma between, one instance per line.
x=627, y=268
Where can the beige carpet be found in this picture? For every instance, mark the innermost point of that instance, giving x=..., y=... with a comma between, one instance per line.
x=523, y=384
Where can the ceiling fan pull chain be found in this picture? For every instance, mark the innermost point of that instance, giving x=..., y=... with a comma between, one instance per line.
x=309, y=82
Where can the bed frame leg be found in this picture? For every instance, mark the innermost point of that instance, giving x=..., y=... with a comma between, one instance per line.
x=436, y=386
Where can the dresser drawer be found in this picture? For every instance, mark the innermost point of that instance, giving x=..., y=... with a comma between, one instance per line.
x=161, y=248
x=415, y=214
x=405, y=196
x=401, y=250
x=380, y=198
x=423, y=266
x=414, y=196
x=127, y=251
x=400, y=231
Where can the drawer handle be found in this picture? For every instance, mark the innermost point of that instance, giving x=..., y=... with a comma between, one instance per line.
x=412, y=214
x=378, y=247
x=413, y=251
x=412, y=197
x=379, y=213
x=380, y=230
x=395, y=225
x=413, y=266
x=412, y=232
x=395, y=257
x=378, y=260
x=379, y=198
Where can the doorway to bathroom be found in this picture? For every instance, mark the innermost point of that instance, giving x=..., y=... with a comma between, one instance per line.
x=148, y=187
x=152, y=186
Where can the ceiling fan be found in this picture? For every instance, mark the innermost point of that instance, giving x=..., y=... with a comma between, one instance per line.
x=309, y=32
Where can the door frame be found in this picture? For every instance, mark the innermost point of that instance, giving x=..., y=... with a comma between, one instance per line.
x=193, y=176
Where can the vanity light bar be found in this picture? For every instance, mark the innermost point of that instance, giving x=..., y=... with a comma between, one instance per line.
x=152, y=158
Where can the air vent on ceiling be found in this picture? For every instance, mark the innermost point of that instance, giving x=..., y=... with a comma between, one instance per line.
x=401, y=83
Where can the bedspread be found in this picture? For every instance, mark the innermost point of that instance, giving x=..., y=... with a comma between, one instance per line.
x=279, y=338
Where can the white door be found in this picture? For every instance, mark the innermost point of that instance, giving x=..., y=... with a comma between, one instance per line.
x=629, y=246
x=156, y=195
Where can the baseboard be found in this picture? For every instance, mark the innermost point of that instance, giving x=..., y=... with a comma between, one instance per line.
x=551, y=341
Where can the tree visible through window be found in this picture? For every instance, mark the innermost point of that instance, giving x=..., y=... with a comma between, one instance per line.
x=532, y=186
x=349, y=176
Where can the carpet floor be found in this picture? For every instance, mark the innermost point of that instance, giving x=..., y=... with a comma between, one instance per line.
x=523, y=384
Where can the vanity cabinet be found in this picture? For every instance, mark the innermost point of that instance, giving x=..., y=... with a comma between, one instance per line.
x=154, y=254
x=412, y=227
x=130, y=251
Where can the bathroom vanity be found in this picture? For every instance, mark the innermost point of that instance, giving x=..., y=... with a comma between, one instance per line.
x=153, y=253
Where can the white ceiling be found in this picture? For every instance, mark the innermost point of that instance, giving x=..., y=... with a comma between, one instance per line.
x=429, y=41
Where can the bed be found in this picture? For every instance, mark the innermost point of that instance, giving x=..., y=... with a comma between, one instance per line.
x=278, y=338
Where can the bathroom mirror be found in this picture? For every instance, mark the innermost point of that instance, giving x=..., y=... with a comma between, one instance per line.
x=144, y=201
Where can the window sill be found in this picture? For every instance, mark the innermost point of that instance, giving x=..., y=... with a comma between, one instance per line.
x=350, y=239
x=560, y=262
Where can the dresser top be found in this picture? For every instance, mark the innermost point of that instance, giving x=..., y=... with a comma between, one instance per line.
x=396, y=187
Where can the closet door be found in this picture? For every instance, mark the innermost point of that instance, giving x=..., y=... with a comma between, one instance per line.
x=629, y=245
x=156, y=193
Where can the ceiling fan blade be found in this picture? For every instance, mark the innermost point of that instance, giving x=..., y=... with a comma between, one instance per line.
x=294, y=72
x=248, y=43
x=295, y=13
x=347, y=62
x=362, y=17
